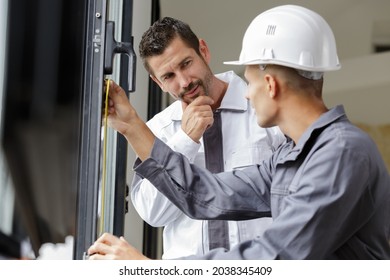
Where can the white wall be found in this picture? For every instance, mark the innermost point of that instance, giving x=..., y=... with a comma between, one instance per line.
x=363, y=87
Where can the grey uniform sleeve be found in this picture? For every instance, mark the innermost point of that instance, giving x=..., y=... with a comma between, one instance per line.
x=237, y=195
x=310, y=224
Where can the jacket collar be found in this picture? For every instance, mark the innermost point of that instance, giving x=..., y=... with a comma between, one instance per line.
x=320, y=124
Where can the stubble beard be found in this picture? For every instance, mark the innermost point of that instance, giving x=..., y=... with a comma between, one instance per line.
x=203, y=84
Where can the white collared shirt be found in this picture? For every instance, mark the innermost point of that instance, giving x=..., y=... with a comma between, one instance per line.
x=244, y=143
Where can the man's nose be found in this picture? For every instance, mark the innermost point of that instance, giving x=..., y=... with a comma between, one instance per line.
x=184, y=80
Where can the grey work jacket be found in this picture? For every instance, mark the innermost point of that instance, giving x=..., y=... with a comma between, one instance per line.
x=329, y=195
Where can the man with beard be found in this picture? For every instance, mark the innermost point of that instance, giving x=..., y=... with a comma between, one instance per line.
x=177, y=60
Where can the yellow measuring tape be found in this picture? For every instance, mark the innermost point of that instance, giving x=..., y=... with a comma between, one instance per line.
x=104, y=159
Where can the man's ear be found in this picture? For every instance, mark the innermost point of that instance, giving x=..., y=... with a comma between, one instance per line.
x=157, y=82
x=204, y=50
x=271, y=85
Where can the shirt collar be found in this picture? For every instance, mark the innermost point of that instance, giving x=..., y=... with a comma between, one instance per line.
x=234, y=98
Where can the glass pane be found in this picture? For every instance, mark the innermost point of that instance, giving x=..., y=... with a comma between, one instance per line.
x=41, y=112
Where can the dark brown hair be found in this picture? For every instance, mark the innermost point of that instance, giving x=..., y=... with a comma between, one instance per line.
x=158, y=37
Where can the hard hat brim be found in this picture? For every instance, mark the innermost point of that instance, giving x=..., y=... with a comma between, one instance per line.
x=236, y=62
x=282, y=63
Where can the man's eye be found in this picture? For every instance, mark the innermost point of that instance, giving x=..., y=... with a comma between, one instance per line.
x=167, y=77
x=186, y=63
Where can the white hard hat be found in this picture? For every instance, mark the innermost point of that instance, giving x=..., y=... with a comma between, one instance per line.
x=291, y=36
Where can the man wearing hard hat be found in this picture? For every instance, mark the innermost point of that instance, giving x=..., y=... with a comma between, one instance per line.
x=327, y=188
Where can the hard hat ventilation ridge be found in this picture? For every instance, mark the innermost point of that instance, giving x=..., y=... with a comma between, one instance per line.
x=271, y=30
